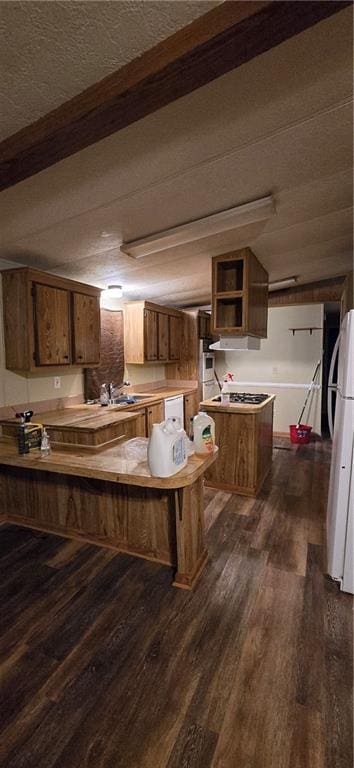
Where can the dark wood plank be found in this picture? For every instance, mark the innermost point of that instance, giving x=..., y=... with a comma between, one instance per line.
x=310, y=658
x=104, y=666
x=339, y=677
x=194, y=747
x=217, y=42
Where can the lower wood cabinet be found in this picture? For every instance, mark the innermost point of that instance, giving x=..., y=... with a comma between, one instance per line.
x=140, y=422
x=154, y=415
x=191, y=407
x=245, y=450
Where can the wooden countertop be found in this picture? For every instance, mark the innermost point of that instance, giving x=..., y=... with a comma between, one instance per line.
x=89, y=418
x=211, y=405
x=109, y=464
x=161, y=393
x=94, y=417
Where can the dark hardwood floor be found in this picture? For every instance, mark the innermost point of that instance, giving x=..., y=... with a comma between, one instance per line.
x=104, y=665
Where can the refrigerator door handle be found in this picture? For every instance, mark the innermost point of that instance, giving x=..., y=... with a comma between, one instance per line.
x=332, y=387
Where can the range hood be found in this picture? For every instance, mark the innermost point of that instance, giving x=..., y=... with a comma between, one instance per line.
x=236, y=344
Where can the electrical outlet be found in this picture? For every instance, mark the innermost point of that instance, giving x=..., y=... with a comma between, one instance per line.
x=57, y=382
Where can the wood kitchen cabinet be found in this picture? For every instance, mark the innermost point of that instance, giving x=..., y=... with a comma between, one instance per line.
x=191, y=407
x=239, y=295
x=163, y=337
x=154, y=415
x=151, y=333
x=49, y=321
x=86, y=328
x=51, y=317
x=244, y=437
x=175, y=333
x=140, y=424
x=204, y=325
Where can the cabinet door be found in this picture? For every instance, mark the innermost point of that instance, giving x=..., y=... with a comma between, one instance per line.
x=175, y=332
x=154, y=415
x=150, y=334
x=191, y=405
x=86, y=328
x=141, y=422
x=203, y=329
x=162, y=331
x=51, y=325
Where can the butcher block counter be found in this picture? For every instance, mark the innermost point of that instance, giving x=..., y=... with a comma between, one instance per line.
x=244, y=434
x=110, y=499
x=92, y=427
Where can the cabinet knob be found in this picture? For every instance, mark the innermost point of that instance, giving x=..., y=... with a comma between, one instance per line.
x=66, y=357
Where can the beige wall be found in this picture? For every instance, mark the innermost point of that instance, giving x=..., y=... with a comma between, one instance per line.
x=21, y=388
x=282, y=358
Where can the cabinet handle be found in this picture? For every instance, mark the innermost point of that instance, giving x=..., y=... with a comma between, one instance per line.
x=79, y=357
x=66, y=357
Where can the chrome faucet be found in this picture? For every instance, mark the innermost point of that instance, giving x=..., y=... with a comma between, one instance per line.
x=114, y=390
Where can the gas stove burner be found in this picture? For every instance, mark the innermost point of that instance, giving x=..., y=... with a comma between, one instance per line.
x=245, y=397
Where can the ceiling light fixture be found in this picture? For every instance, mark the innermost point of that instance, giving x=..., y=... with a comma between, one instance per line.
x=286, y=282
x=114, y=291
x=258, y=210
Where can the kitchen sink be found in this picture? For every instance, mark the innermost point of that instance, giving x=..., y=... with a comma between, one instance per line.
x=129, y=399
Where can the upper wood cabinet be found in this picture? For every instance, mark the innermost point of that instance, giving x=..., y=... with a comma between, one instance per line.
x=239, y=295
x=204, y=325
x=51, y=316
x=86, y=328
x=151, y=333
x=163, y=349
x=49, y=321
x=175, y=334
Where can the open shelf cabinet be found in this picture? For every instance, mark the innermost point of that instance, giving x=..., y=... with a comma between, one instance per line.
x=239, y=294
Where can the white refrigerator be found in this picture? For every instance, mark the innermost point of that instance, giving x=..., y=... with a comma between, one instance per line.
x=340, y=509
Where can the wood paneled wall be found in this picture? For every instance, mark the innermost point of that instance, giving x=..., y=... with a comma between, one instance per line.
x=311, y=293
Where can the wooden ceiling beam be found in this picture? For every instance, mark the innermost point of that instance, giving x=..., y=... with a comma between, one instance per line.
x=229, y=35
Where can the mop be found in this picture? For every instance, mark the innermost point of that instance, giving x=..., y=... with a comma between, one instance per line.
x=300, y=433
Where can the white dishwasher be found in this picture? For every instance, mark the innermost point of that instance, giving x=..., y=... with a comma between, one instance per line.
x=174, y=408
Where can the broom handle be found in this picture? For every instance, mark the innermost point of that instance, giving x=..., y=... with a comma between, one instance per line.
x=308, y=393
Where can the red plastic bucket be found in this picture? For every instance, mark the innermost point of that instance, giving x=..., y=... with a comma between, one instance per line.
x=300, y=433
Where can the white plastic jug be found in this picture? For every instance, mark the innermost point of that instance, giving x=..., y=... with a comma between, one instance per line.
x=166, y=449
x=204, y=433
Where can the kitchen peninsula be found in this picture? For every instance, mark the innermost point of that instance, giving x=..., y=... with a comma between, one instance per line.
x=244, y=434
x=109, y=499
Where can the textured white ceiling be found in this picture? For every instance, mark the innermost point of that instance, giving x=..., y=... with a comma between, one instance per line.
x=281, y=124
x=51, y=51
